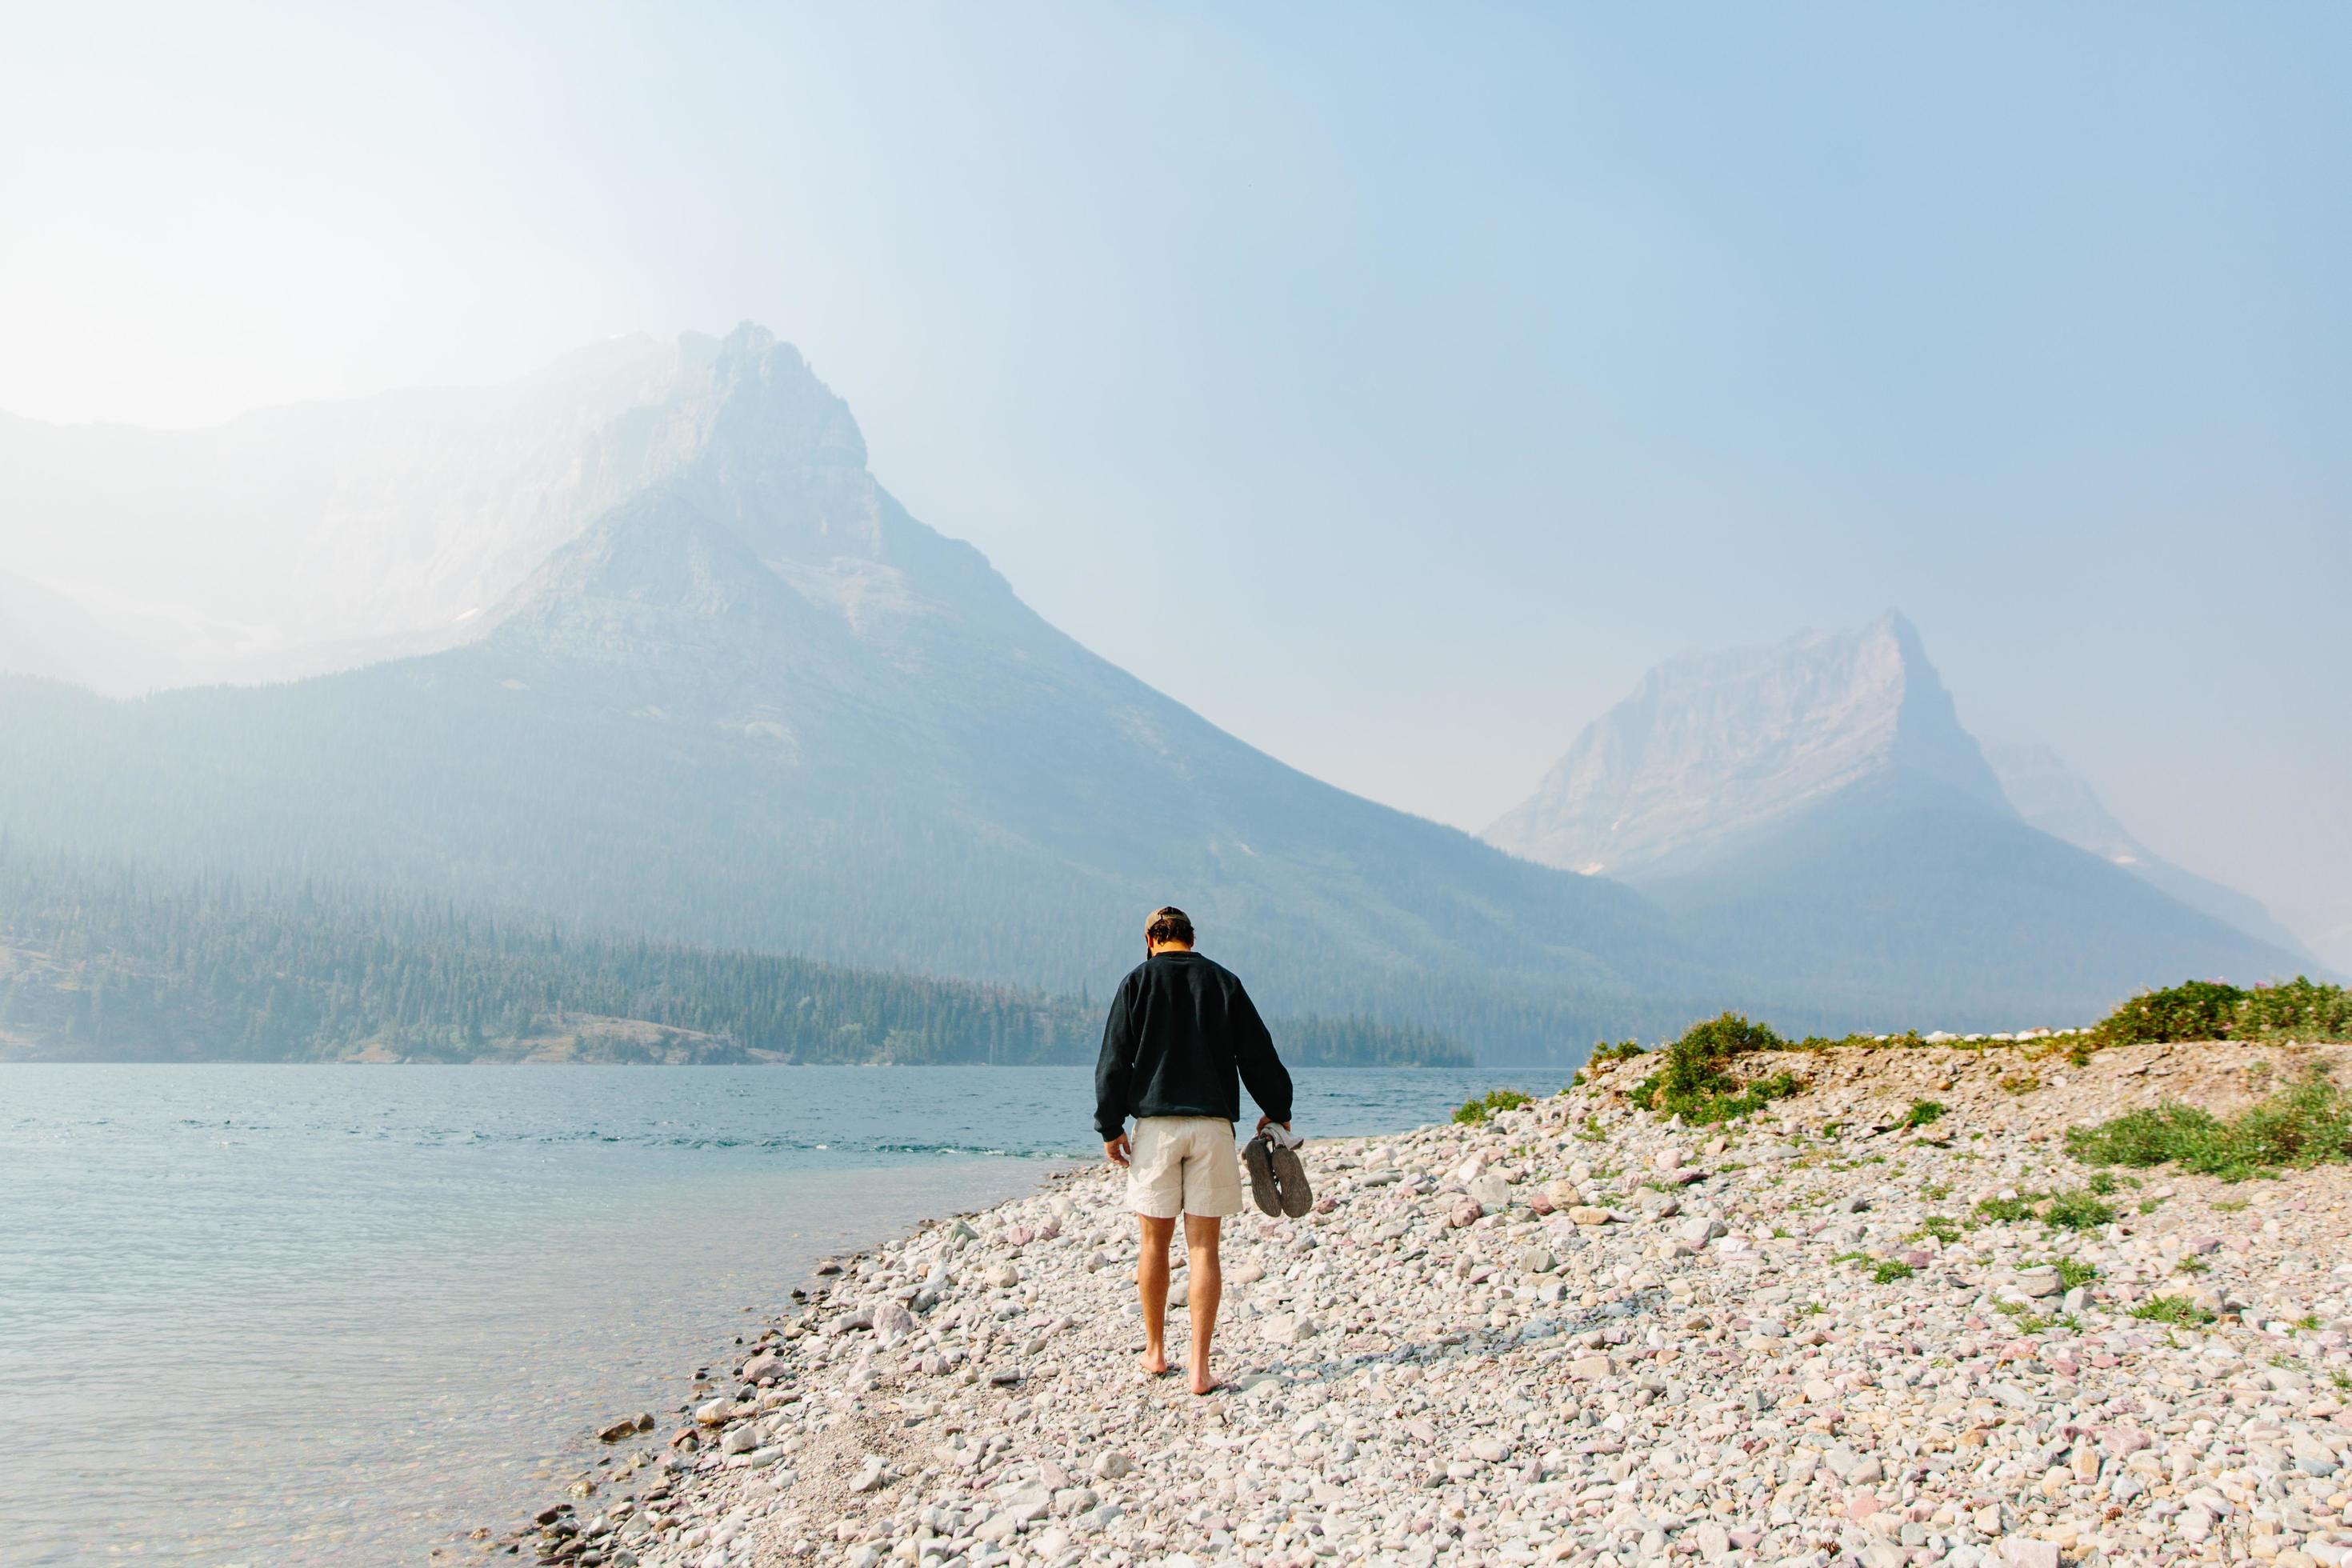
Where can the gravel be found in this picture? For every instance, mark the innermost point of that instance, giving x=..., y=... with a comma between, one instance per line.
x=1491, y=1350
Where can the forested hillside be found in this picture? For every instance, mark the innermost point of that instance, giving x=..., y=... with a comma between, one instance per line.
x=100, y=963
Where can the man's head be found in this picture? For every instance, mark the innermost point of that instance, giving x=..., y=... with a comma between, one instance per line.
x=1169, y=929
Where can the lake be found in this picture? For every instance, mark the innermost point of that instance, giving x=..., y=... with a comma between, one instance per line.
x=274, y=1315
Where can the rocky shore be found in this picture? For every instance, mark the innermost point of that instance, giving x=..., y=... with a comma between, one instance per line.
x=1843, y=1329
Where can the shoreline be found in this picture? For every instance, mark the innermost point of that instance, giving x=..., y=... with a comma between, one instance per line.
x=1573, y=1333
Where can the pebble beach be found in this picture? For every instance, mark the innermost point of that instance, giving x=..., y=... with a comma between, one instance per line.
x=1834, y=1332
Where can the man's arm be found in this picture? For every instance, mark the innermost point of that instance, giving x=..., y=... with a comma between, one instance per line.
x=1263, y=1074
x=1115, y=1068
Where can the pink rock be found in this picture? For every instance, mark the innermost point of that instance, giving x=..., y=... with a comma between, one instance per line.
x=1861, y=1505
x=1539, y=1203
x=2023, y=1551
x=1325, y=1206
x=1467, y=1212
x=1017, y=1237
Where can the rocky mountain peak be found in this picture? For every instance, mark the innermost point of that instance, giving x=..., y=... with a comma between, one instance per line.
x=1710, y=745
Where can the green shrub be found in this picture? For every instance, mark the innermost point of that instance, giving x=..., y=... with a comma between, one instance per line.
x=1922, y=1112
x=2299, y=1009
x=1891, y=1270
x=1475, y=1112
x=2079, y=1210
x=2015, y=1208
x=2193, y=1010
x=2171, y=1310
x=1947, y=1231
x=2309, y=1122
x=1604, y=1053
x=1695, y=1084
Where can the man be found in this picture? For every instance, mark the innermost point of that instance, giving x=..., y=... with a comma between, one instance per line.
x=1180, y=1029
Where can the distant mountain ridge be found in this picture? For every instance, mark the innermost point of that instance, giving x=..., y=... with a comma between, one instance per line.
x=728, y=692
x=1815, y=811
x=1709, y=745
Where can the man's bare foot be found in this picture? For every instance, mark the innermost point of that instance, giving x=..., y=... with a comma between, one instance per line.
x=1155, y=1363
x=1206, y=1382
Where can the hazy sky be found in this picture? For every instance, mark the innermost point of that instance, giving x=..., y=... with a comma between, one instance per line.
x=1393, y=385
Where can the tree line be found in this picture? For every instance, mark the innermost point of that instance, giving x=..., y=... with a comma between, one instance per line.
x=100, y=961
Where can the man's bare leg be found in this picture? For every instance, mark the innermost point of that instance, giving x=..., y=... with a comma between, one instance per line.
x=1151, y=1284
x=1206, y=1287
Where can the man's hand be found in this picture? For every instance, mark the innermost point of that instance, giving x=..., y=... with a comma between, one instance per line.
x=1120, y=1150
x=1265, y=1121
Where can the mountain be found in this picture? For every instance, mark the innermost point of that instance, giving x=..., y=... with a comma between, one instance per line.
x=754, y=703
x=2056, y=799
x=44, y=633
x=1711, y=745
x=1814, y=812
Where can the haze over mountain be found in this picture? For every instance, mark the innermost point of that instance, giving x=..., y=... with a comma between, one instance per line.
x=2053, y=798
x=756, y=703
x=1813, y=809
x=323, y=536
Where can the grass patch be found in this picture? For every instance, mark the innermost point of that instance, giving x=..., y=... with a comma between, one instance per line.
x=2176, y=1309
x=2308, y=1122
x=1922, y=1112
x=2079, y=1210
x=1475, y=1112
x=2011, y=1209
x=1888, y=1272
x=2021, y=1083
x=1947, y=1231
x=1695, y=1082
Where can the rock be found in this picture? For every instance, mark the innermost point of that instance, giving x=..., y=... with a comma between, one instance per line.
x=1489, y=1450
x=1463, y=1214
x=1563, y=1195
x=870, y=1474
x=1285, y=1328
x=893, y=1324
x=2036, y=1283
x=2025, y=1551
x=715, y=1412
x=1586, y=1213
x=1490, y=1192
x=1700, y=1229
x=1002, y=1277
x=1591, y=1366
x=1111, y=1466
x=626, y=1427
x=740, y=1439
x=1537, y=1260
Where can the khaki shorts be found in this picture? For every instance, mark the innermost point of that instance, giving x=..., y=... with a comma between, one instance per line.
x=1184, y=1164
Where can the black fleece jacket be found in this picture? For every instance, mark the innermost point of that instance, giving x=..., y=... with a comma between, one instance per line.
x=1181, y=1028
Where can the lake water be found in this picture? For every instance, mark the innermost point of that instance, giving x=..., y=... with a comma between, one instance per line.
x=282, y=1315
